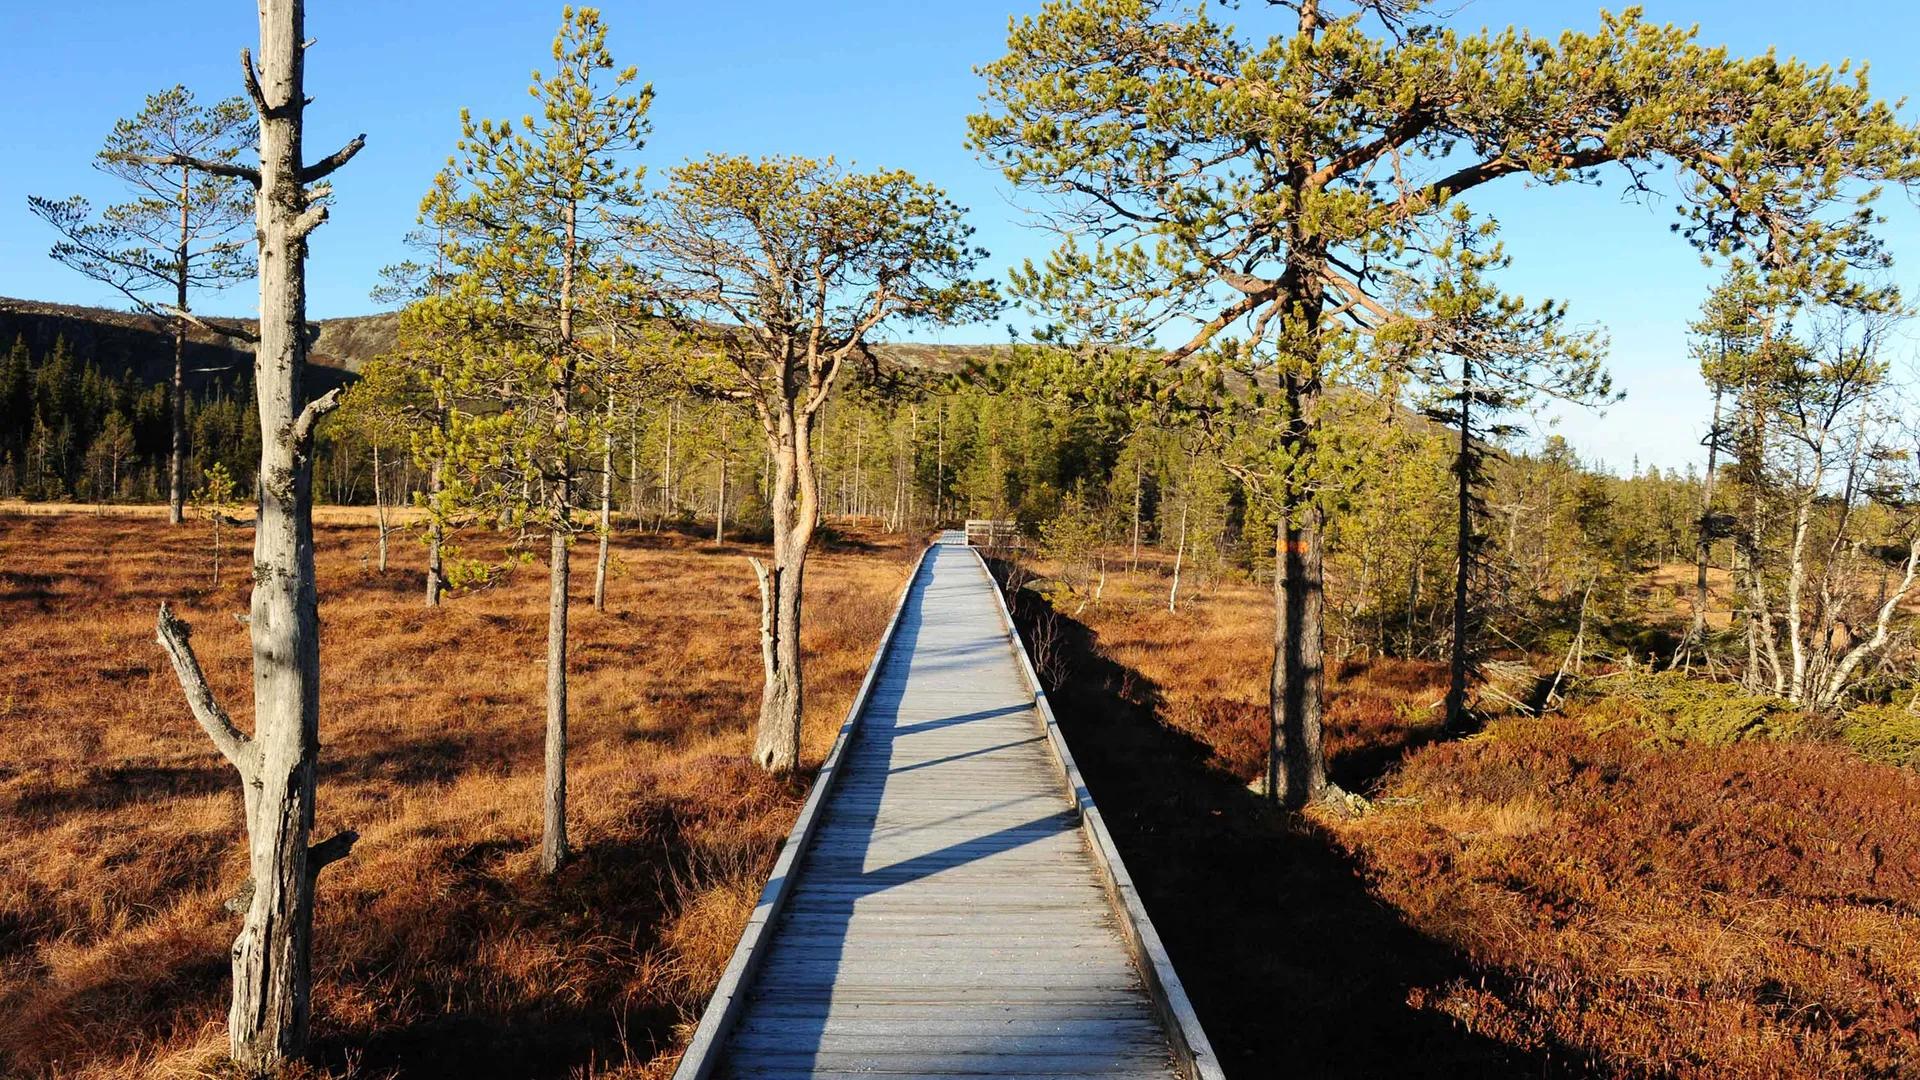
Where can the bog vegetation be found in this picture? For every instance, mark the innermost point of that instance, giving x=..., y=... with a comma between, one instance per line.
x=1484, y=760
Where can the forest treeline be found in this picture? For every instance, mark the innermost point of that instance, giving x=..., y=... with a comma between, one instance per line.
x=910, y=449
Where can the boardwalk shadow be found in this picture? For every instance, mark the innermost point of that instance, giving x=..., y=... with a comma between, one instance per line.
x=1293, y=966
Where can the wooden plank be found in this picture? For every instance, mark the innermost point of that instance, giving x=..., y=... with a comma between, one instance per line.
x=703, y=1051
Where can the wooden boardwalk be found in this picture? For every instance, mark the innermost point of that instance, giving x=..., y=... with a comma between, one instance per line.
x=947, y=913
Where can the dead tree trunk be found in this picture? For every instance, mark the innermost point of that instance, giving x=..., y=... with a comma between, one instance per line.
x=1139, y=481
x=1179, y=551
x=795, y=501
x=720, y=502
x=380, y=507
x=553, y=843
x=177, y=457
x=666, y=466
x=435, y=576
x=267, y=1024
x=606, y=513
x=1703, y=546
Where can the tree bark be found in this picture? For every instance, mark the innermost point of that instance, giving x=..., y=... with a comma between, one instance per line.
x=1703, y=543
x=435, y=573
x=1180, y=550
x=553, y=842
x=795, y=501
x=1139, y=481
x=1297, y=772
x=380, y=507
x=267, y=1024
x=666, y=466
x=1457, y=664
x=606, y=514
x=720, y=503
x=177, y=456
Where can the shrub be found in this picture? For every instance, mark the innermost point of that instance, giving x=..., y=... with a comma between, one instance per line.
x=1675, y=709
x=1885, y=733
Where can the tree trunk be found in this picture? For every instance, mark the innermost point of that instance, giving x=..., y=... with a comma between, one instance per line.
x=1180, y=550
x=177, y=456
x=1457, y=663
x=1139, y=481
x=1703, y=544
x=795, y=502
x=553, y=842
x=380, y=507
x=720, y=504
x=267, y=1024
x=435, y=575
x=606, y=514
x=1297, y=772
x=666, y=467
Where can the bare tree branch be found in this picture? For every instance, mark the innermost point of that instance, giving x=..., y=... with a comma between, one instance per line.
x=326, y=165
x=233, y=744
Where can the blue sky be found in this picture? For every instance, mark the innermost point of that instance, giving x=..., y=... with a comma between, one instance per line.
x=876, y=83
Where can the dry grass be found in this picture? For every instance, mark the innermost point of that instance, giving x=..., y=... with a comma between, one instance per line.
x=439, y=949
x=1599, y=905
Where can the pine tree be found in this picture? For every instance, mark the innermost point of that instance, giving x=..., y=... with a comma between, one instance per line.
x=785, y=268
x=534, y=220
x=186, y=228
x=1248, y=193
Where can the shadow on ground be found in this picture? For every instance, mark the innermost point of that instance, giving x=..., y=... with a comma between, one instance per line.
x=1293, y=966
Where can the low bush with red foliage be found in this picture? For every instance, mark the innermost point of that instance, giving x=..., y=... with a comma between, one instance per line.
x=439, y=948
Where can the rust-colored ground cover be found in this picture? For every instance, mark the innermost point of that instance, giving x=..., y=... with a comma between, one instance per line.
x=1536, y=900
x=440, y=951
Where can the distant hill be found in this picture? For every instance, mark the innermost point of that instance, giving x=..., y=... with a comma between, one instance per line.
x=119, y=341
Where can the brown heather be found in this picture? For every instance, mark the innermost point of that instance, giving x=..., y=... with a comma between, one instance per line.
x=1563, y=899
x=439, y=950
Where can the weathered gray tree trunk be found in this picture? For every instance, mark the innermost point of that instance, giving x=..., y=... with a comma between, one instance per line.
x=1139, y=482
x=606, y=514
x=720, y=503
x=795, y=501
x=1180, y=550
x=435, y=571
x=177, y=457
x=666, y=466
x=380, y=507
x=553, y=844
x=267, y=1024
x=1703, y=544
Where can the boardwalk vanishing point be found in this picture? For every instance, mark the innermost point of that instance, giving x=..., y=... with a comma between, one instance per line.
x=949, y=902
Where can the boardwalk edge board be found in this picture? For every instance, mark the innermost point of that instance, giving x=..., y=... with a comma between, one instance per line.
x=703, y=1053
x=1191, y=1048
